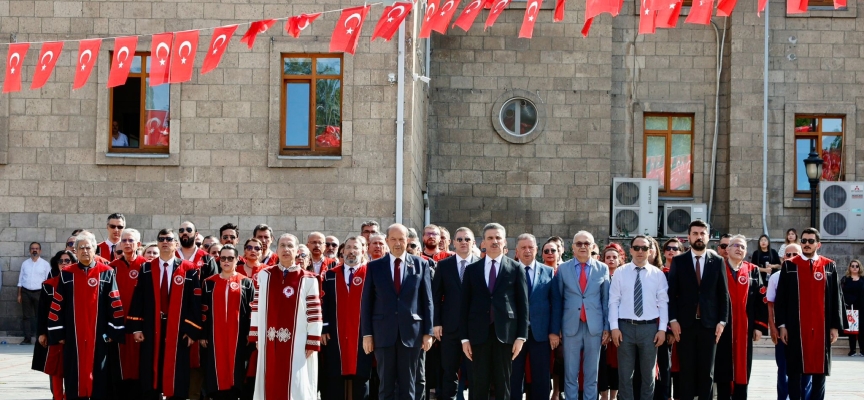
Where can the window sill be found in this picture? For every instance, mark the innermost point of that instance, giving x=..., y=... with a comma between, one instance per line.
x=673, y=198
x=138, y=159
x=137, y=155
x=851, y=11
x=282, y=161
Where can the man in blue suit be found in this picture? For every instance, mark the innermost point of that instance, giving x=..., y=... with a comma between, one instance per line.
x=580, y=309
x=538, y=279
x=396, y=315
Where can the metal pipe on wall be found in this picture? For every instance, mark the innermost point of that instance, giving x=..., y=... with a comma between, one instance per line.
x=400, y=121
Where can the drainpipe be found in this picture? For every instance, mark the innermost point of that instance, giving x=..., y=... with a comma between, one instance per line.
x=427, y=214
x=721, y=43
x=765, y=123
x=400, y=121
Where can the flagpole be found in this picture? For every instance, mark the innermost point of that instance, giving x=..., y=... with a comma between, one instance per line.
x=765, y=121
x=400, y=119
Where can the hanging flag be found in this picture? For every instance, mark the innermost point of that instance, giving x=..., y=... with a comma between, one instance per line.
x=160, y=55
x=347, y=31
x=497, y=8
x=428, y=17
x=255, y=29
x=724, y=7
x=391, y=18
x=47, y=59
x=667, y=17
x=469, y=14
x=559, y=12
x=121, y=63
x=183, y=58
x=796, y=6
x=587, y=26
x=14, y=60
x=839, y=4
x=298, y=23
x=218, y=45
x=442, y=19
x=647, y=19
x=527, y=30
x=594, y=8
x=88, y=52
x=761, y=7
x=700, y=12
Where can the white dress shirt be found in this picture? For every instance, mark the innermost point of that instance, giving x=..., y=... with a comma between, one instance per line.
x=401, y=267
x=170, y=270
x=33, y=273
x=346, y=270
x=488, y=267
x=771, y=293
x=317, y=266
x=655, y=296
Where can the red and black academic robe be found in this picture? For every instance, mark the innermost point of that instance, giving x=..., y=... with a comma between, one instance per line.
x=227, y=305
x=48, y=359
x=749, y=313
x=809, y=322
x=252, y=349
x=344, y=353
x=164, y=327
x=104, y=250
x=125, y=365
x=208, y=268
x=86, y=312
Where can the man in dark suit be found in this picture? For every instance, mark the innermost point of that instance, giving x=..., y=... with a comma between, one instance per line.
x=396, y=315
x=698, y=311
x=447, y=298
x=494, y=321
x=538, y=279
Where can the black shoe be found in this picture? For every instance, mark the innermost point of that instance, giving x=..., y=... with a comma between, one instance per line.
x=851, y=354
x=26, y=341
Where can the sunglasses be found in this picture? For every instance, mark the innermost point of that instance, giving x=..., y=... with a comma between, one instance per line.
x=70, y=244
x=198, y=244
x=582, y=244
x=550, y=251
x=331, y=244
x=593, y=253
x=165, y=239
x=250, y=248
x=187, y=229
x=301, y=255
x=460, y=240
x=227, y=259
x=412, y=245
x=206, y=246
x=127, y=240
x=790, y=255
x=723, y=245
x=640, y=248
x=672, y=248
x=808, y=241
x=854, y=266
x=65, y=261
x=112, y=226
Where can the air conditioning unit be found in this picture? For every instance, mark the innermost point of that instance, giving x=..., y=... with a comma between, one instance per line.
x=677, y=217
x=841, y=210
x=634, y=207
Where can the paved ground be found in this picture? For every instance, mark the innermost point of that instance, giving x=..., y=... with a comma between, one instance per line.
x=17, y=381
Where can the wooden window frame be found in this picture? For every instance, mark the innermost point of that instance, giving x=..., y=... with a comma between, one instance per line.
x=821, y=3
x=311, y=149
x=818, y=137
x=667, y=135
x=142, y=115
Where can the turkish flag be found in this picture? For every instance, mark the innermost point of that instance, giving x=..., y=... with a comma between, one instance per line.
x=647, y=19
x=428, y=17
x=497, y=8
x=347, y=31
x=594, y=8
x=14, y=60
x=256, y=28
x=700, y=12
x=796, y=6
x=668, y=17
x=437, y=19
x=88, y=52
x=160, y=55
x=469, y=14
x=156, y=128
x=527, y=30
x=391, y=18
x=587, y=26
x=183, y=58
x=559, y=12
x=121, y=63
x=47, y=59
x=298, y=23
x=724, y=7
x=218, y=45
x=839, y=4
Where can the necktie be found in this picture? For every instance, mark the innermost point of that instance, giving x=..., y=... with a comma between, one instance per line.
x=112, y=253
x=397, y=274
x=462, y=270
x=698, y=281
x=492, y=275
x=350, y=276
x=637, y=292
x=164, y=287
x=583, y=283
x=528, y=279
x=284, y=273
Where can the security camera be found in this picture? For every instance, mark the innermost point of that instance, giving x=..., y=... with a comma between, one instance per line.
x=424, y=79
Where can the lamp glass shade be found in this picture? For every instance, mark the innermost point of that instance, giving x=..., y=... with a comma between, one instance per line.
x=813, y=170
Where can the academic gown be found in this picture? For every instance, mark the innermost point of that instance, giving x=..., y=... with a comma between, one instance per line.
x=227, y=307
x=85, y=312
x=252, y=351
x=749, y=313
x=48, y=359
x=182, y=317
x=344, y=353
x=125, y=364
x=822, y=310
x=207, y=266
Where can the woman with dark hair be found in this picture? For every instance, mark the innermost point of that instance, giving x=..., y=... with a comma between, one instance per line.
x=667, y=354
x=791, y=237
x=553, y=250
x=853, y=297
x=253, y=249
x=765, y=257
x=656, y=253
x=607, y=377
x=49, y=359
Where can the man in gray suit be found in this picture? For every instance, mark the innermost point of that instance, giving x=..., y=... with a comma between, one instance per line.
x=580, y=309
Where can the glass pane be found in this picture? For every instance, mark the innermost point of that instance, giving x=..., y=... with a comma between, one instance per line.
x=328, y=66
x=297, y=114
x=298, y=66
x=682, y=123
x=832, y=125
x=680, y=166
x=656, y=123
x=126, y=114
x=136, y=65
x=655, y=158
x=832, y=156
x=328, y=113
x=521, y=112
x=806, y=125
x=157, y=124
x=802, y=150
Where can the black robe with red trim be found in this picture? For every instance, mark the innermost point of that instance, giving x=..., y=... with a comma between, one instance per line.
x=183, y=317
x=226, y=329
x=809, y=322
x=749, y=313
x=340, y=308
x=47, y=359
x=86, y=312
x=208, y=268
x=125, y=357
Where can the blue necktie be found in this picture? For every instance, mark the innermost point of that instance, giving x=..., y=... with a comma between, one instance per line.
x=528, y=279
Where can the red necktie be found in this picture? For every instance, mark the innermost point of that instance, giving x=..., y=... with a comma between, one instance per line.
x=583, y=283
x=164, y=287
x=397, y=276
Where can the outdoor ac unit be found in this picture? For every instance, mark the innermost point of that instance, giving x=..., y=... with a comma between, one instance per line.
x=634, y=207
x=841, y=210
x=677, y=217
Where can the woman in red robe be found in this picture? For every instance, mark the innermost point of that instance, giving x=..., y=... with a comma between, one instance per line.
x=252, y=251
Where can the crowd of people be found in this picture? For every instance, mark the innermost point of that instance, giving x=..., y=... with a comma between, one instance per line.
x=395, y=314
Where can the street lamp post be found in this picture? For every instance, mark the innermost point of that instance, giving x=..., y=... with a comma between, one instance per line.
x=813, y=165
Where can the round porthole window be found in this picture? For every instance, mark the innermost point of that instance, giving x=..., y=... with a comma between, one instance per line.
x=518, y=116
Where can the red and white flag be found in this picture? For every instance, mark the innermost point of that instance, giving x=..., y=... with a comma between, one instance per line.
x=391, y=18
x=647, y=19
x=298, y=23
x=559, y=11
x=428, y=18
x=724, y=7
x=160, y=55
x=347, y=31
x=183, y=59
x=218, y=45
x=47, y=59
x=527, y=30
x=88, y=52
x=593, y=8
x=157, y=128
x=700, y=12
x=839, y=4
x=121, y=63
x=439, y=19
x=667, y=17
x=14, y=60
x=796, y=6
x=256, y=28
x=469, y=14
x=497, y=8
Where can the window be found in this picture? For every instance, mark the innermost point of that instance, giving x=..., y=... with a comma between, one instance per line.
x=139, y=113
x=821, y=3
x=521, y=113
x=311, y=122
x=825, y=132
x=669, y=152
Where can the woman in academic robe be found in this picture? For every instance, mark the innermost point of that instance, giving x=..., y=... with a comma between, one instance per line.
x=226, y=303
x=49, y=359
x=252, y=251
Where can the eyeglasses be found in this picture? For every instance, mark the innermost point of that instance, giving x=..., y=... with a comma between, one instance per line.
x=790, y=255
x=112, y=226
x=227, y=259
x=332, y=244
x=70, y=244
x=463, y=239
x=550, y=251
x=229, y=237
x=250, y=248
x=723, y=245
x=85, y=248
x=672, y=248
x=128, y=240
x=412, y=245
x=593, y=253
x=165, y=238
x=65, y=261
x=738, y=246
x=301, y=255
x=581, y=244
x=432, y=234
x=808, y=241
x=640, y=248
x=35, y=249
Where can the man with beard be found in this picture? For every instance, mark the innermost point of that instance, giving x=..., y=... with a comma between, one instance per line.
x=723, y=245
x=377, y=246
x=229, y=234
x=809, y=314
x=109, y=248
x=264, y=235
x=698, y=311
x=431, y=240
x=124, y=357
x=331, y=244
